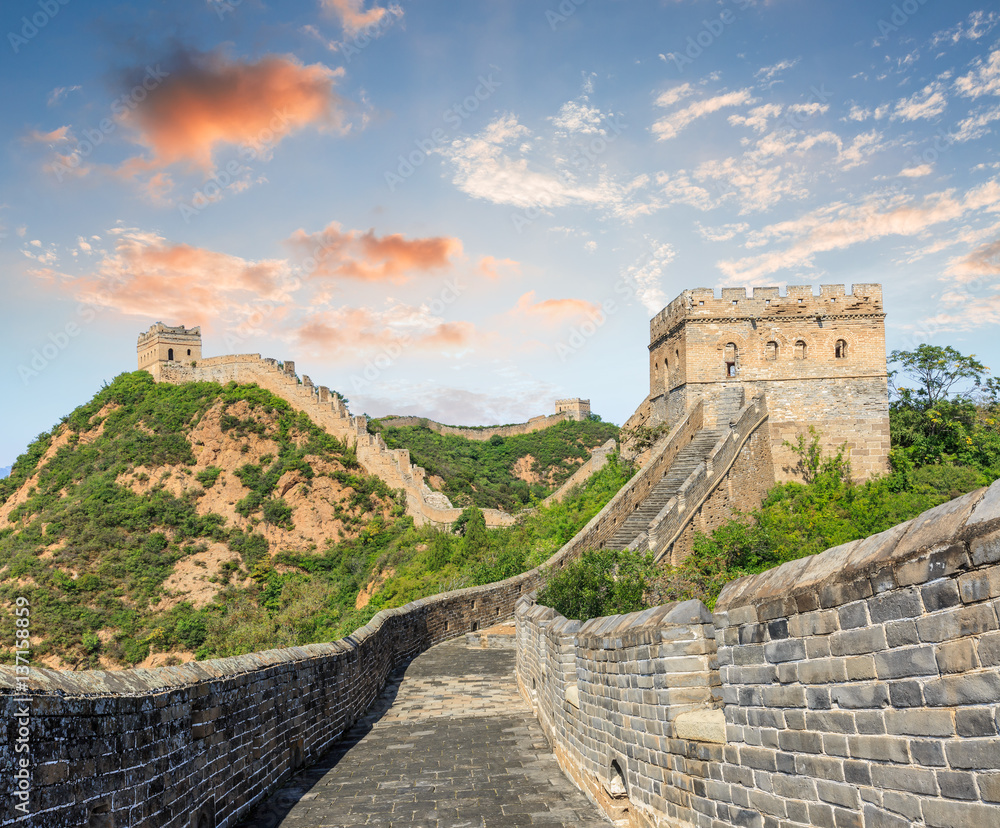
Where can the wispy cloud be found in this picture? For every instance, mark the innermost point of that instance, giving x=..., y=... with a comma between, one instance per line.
x=670, y=126
x=58, y=95
x=354, y=17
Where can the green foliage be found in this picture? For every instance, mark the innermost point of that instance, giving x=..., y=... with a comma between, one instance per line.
x=207, y=477
x=480, y=472
x=599, y=582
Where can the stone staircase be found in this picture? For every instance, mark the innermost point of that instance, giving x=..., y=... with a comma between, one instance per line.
x=687, y=461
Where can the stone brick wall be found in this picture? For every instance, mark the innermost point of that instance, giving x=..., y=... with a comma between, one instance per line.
x=860, y=687
x=819, y=359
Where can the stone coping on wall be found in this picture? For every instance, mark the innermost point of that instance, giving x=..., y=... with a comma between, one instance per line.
x=931, y=545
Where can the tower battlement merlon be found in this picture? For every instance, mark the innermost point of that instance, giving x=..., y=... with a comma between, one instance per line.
x=865, y=299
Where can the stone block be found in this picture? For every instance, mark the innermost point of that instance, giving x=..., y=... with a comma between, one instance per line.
x=856, y=696
x=909, y=779
x=955, y=785
x=957, y=623
x=974, y=754
x=985, y=549
x=892, y=606
x=822, y=622
x=939, y=723
x=701, y=726
x=980, y=585
x=941, y=594
x=868, y=639
x=957, y=656
x=946, y=813
x=879, y=748
x=835, y=793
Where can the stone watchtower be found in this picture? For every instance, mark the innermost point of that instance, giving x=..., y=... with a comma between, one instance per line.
x=161, y=343
x=820, y=361
x=575, y=409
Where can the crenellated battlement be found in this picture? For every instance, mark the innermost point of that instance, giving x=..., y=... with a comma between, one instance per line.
x=702, y=304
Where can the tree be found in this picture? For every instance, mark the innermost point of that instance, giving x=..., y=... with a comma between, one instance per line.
x=937, y=370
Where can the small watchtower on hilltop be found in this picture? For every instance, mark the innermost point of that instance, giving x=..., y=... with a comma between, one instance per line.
x=819, y=360
x=575, y=409
x=161, y=343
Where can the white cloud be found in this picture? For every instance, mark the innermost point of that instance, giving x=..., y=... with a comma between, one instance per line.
x=929, y=102
x=860, y=113
x=646, y=274
x=840, y=226
x=975, y=126
x=670, y=125
x=758, y=117
x=916, y=172
x=722, y=233
x=766, y=73
x=984, y=79
x=977, y=25
x=674, y=94
x=578, y=117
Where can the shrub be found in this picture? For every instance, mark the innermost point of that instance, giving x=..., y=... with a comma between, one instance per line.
x=600, y=582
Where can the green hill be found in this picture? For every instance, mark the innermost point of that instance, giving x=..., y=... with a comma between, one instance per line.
x=503, y=472
x=159, y=523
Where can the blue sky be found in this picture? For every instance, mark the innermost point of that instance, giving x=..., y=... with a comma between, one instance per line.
x=469, y=210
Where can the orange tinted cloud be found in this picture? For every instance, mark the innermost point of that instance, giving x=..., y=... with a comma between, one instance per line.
x=490, y=266
x=147, y=276
x=334, y=253
x=395, y=331
x=208, y=100
x=53, y=137
x=554, y=311
x=352, y=17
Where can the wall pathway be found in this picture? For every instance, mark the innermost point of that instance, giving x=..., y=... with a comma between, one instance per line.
x=450, y=743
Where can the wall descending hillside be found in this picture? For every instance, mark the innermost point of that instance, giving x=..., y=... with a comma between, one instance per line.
x=859, y=687
x=327, y=411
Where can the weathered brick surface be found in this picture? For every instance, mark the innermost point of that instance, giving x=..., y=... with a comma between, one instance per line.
x=860, y=687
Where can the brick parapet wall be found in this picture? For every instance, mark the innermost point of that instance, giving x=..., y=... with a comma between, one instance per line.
x=480, y=434
x=610, y=695
x=861, y=687
x=598, y=460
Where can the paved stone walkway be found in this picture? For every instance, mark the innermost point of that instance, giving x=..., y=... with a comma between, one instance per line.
x=449, y=744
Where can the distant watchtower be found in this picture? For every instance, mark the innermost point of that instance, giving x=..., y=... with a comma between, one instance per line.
x=161, y=343
x=575, y=409
x=820, y=361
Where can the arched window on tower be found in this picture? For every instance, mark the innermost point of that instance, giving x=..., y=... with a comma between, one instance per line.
x=170, y=354
x=731, y=360
x=771, y=351
x=840, y=349
x=800, y=349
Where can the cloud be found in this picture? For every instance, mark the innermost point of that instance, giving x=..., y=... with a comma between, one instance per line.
x=496, y=165
x=860, y=113
x=208, y=101
x=580, y=118
x=916, y=172
x=975, y=126
x=929, y=102
x=554, y=311
x=723, y=233
x=396, y=330
x=840, y=226
x=646, y=273
x=757, y=118
x=59, y=94
x=491, y=267
x=766, y=73
x=977, y=25
x=674, y=94
x=145, y=275
x=671, y=125
x=984, y=79
x=975, y=312
x=353, y=17
x=983, y=261
x=56, y=136
x=336, y=254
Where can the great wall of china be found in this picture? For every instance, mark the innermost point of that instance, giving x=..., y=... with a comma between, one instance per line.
x=854, y=688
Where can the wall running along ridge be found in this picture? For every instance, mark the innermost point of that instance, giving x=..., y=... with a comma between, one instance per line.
x=859, y=687
x=327, y=411
x=481, y=434
x=175, y=745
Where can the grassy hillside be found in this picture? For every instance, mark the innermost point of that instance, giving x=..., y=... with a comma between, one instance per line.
x=159, y=523
x=502, y=472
